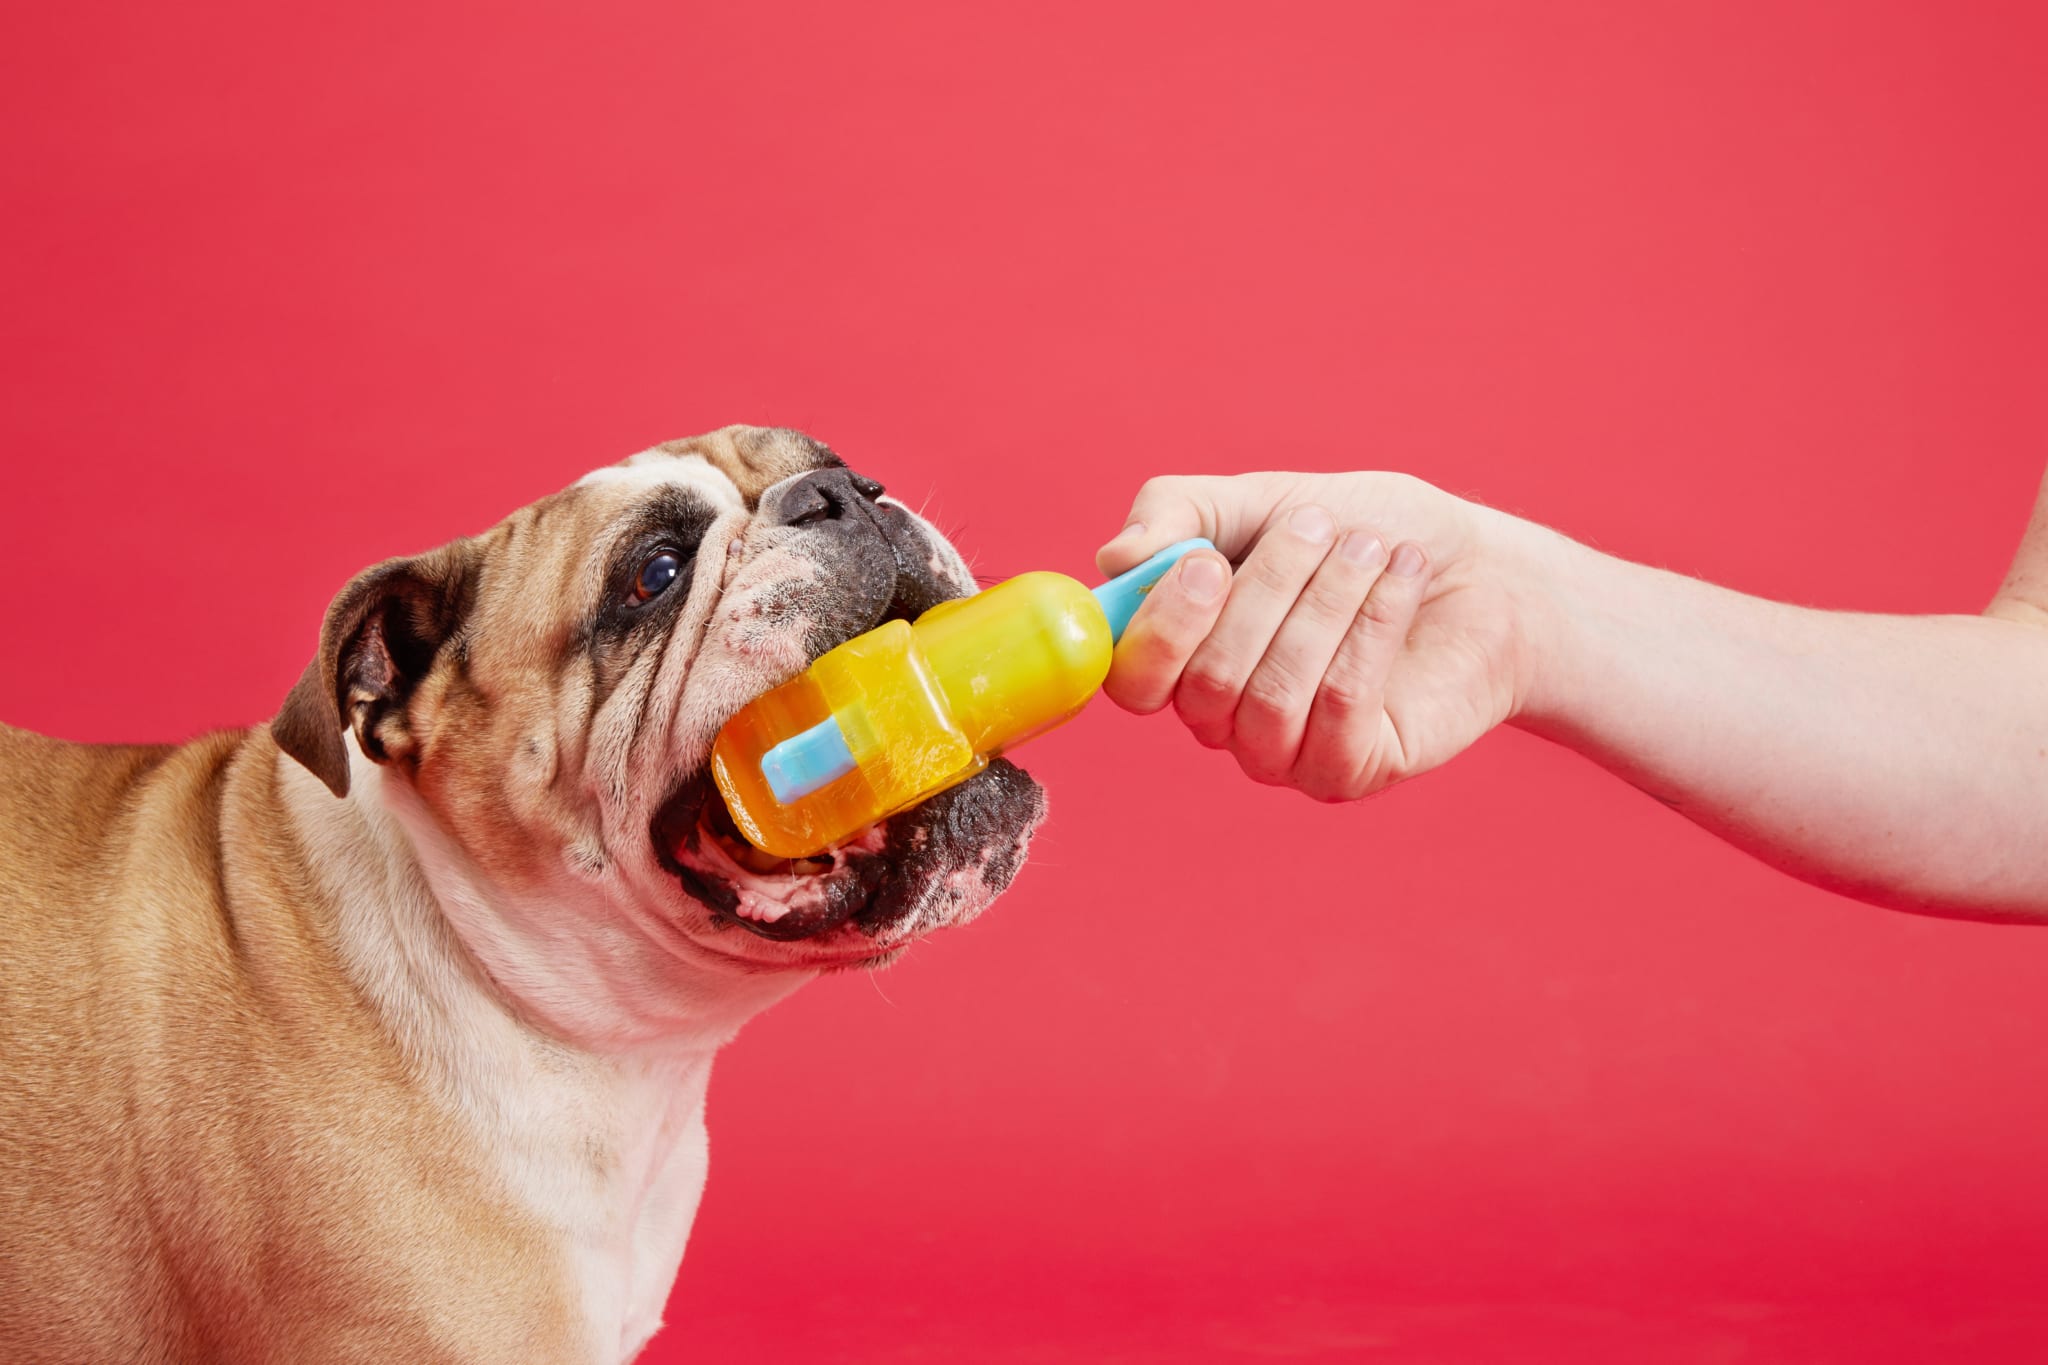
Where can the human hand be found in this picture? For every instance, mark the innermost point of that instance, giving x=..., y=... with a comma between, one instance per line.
x=1371, y=630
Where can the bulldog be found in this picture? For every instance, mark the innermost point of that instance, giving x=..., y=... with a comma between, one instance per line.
x=381, y=1031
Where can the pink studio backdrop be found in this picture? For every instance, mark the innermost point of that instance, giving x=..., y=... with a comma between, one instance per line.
x=1512, y=1064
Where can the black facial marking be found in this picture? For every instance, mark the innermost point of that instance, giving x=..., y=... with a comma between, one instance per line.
x=982, y=823
x=879, y=561
x=673, y=520
x=622, y=626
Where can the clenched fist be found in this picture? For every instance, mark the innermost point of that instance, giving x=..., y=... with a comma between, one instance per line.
x=1368, y=632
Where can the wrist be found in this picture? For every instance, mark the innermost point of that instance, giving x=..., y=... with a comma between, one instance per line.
x=1552, y=586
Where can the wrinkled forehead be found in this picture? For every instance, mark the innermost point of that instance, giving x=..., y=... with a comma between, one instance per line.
x=567, y=538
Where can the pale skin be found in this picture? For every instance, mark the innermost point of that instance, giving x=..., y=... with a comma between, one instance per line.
x=1375, y=626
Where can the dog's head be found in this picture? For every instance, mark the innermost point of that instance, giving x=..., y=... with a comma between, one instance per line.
x=546, y=694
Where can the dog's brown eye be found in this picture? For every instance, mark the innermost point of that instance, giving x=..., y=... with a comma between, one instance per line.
x=656, y=574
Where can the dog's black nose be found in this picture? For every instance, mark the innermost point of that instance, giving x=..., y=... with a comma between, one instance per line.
x=824, y=495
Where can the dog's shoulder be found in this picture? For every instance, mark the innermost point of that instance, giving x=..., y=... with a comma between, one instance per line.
x=66, y=807
x=45, y=780
x=110, y=858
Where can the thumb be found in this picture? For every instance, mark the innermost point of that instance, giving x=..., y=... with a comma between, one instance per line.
x=1230, y=511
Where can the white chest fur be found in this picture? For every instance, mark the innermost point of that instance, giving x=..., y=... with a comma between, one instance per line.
x=604, y=1148
x=612, y=1157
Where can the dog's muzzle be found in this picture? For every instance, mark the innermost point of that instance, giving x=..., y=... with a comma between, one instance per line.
x=937, y=863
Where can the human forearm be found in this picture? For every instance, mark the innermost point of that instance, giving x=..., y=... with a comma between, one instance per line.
x=1903, y=760
x=1900, y=759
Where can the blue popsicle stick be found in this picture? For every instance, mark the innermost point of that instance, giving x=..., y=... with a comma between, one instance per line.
x=807, y=761
x=1121, y=596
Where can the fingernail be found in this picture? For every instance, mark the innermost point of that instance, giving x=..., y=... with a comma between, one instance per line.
x=1312, y=524
x=1362, y=548
x=1407, y=562
x=1136, y=528
x=1201, y=579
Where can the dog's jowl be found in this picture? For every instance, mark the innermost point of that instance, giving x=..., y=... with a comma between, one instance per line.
x=381, y=1031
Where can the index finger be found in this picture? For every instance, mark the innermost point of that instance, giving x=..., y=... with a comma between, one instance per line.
x=1175, y=618
x=1231, y=511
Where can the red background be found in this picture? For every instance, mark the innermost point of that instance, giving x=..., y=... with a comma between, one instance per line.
x=1510, y=1065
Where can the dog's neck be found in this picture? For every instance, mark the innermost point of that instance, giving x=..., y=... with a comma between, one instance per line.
x=540, y=1026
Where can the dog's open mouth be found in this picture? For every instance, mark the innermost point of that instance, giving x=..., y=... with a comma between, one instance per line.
x=779, y=898
x=935, y=863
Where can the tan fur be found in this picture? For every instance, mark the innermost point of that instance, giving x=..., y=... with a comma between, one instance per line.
x=754, y=458
x=408, y=1067
x=211, y=1145
x=183, y=1055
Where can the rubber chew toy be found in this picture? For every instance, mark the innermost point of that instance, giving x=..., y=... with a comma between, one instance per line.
x=913, y=707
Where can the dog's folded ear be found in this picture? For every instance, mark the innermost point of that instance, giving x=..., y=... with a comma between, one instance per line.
x=380, y=639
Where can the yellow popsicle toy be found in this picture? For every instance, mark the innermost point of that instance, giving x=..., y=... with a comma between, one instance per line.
x=913, y=707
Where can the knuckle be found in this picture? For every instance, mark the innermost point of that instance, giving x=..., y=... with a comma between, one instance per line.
x=1266, y=762
x=1329, y=601
x=1162, y=492
x=1327, y=787
x=1256, y=764
x=1382, y=612
x=1273, y=691
x=1278, y=570
x=1343, y=696
x=1265, y=777
x=1159, y=486
x=1208, y=731
x=1311, y=781
x=1208, y=685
